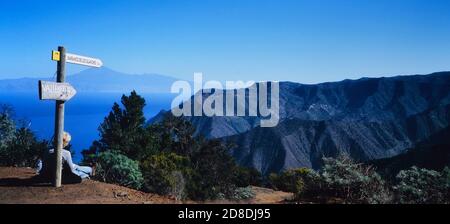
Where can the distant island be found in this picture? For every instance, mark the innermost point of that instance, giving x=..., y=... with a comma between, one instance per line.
x=98, y=80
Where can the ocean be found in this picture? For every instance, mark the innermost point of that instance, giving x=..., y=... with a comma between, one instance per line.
x=83, y=114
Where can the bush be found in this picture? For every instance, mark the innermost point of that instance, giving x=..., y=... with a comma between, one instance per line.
x=242, y=193
x=24, y=151
x=166, y=173
x=422, y=186
x=446, y=181
x=7, y=132
x=178, y=189
x=247, y=176
x=346, y=180
x=290, y=180
x=18, y=147
x=7, y=129
x=113, y=167
x=213, y=172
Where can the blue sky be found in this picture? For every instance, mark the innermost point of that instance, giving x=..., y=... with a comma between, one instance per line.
x=304, y=41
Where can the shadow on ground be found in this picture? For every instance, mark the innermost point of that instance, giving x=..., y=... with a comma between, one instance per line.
x=17, y=182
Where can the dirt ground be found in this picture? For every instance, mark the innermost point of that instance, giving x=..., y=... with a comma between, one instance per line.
x=15, y=189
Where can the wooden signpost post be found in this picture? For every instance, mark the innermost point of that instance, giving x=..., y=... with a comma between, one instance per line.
x=61, y=92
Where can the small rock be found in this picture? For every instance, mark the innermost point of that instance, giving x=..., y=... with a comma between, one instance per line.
x=120, y=194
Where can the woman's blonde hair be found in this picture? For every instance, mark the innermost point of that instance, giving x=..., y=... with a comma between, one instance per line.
x=66, y=138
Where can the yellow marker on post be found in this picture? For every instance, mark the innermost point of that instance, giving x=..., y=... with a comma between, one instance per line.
x=56, y=56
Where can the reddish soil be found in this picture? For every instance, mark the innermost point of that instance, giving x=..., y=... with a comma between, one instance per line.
x=14, y=188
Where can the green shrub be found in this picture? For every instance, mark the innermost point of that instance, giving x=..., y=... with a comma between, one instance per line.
x=166, y=173
x=247, y=176
x=446, y=181
x=242, y=193
x=113, y=167
x=348, y=181
x=290, y=180
x=18, y=147
x=7, y=132
x=213, y=172
x=24, y=151
x=7, y=129
x=422, y=186
x=178, y=188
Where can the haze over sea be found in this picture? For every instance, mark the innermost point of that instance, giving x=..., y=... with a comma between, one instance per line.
x=83, y=113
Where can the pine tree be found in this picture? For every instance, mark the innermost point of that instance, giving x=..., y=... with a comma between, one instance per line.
x=123, y=130
x=176, y=135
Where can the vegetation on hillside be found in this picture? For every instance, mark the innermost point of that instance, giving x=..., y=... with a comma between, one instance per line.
x=170, y=159
x=341, y=180
x=19, y=146
x=433, y=156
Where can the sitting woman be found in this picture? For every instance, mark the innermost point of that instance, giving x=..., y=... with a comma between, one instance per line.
x=69, y=168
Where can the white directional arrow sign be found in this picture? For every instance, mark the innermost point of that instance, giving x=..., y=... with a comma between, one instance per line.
x=83, y=60
x=56, y=91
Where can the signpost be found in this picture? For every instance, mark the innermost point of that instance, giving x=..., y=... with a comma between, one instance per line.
x=56, y=91
x=61, y=92
x=82, y=60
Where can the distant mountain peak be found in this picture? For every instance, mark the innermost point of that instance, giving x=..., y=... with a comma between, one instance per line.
x=99, y=80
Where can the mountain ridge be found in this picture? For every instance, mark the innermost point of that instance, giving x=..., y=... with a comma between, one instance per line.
x=368, y=118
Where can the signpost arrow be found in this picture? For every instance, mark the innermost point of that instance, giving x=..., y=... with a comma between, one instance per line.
x=56, y=91
x=61, y=92
x=82, y=60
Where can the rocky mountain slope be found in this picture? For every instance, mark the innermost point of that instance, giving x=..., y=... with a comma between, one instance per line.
x=369, y=118
x=433, y=153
